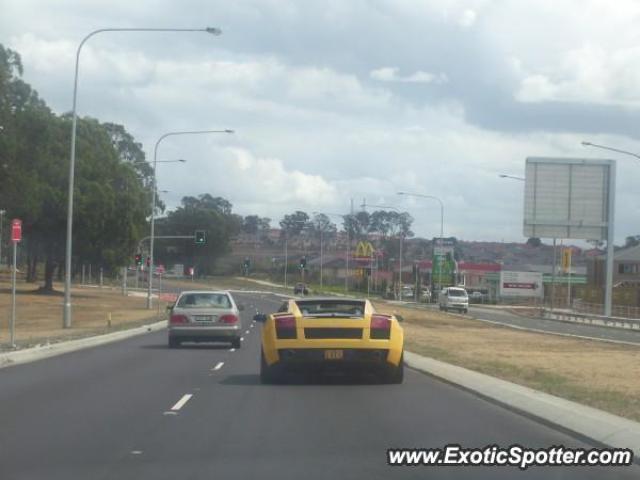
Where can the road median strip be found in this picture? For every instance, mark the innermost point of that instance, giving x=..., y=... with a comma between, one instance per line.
x=603, y=427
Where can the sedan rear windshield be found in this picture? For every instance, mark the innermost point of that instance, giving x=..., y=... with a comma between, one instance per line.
x=331, y=308
x=457, y=293
x=204, y=300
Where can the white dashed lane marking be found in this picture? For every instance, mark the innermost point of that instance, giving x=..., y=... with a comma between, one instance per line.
x=232, y=350
x=218, y=366
x=185, y=398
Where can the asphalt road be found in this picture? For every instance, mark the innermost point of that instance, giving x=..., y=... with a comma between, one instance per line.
x=106, y=413
x=555, y=326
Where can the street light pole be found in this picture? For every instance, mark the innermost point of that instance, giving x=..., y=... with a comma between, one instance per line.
x=2, y=212
x=66, y=314
x=153, y=193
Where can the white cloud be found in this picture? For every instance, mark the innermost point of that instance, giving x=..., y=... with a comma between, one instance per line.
x=589, y=74
x=468, y=18
x=390, y=74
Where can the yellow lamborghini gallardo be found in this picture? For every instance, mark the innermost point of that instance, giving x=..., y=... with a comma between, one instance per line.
x=330, y=334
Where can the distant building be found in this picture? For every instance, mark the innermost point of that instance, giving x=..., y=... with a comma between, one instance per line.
x=626, y=268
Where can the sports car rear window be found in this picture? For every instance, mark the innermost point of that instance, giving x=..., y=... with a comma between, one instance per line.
x=331, y=308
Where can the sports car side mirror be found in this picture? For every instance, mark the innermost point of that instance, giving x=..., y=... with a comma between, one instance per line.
x=260, y=317
x=400, y=318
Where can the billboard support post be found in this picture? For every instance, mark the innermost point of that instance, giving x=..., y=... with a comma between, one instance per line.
x=553, y=274
x=608, y=291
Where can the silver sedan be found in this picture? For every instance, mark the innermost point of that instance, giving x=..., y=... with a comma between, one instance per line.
x=205, y=316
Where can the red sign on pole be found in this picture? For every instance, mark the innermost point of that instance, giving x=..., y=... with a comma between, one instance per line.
x=16, y=230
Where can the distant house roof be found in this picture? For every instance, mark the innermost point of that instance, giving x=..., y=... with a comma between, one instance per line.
x=630, y=254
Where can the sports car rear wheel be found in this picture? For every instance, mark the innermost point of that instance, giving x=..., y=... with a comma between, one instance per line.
x=394, y=375
x=268, y=374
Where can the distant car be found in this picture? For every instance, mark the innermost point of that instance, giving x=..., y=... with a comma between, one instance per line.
x=407, y=293
x=476, y=297
x=205, y=316
x=454, y=298
x=330, y=334
x=300, y=289
x=425, y=295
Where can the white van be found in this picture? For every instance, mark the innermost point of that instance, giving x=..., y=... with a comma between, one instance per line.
x=454, y=298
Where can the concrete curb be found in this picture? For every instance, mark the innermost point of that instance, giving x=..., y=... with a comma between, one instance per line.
x=38, y=353
x=590, y=422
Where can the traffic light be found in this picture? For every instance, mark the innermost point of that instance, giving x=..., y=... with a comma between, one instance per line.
x=200, y=237
x=303, y=263
x=138, y=259
x=246, y=265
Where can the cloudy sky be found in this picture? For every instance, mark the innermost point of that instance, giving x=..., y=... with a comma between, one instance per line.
x=333, y=100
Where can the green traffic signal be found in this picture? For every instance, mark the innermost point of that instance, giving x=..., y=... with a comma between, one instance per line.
x=200, y=237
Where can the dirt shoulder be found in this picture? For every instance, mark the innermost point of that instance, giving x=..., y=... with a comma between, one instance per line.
x=598, y=374
x=95, y=311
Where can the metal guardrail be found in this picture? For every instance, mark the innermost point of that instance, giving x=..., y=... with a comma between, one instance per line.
x=592, y=319
x=625, y=311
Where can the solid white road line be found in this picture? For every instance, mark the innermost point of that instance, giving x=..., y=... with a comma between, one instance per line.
x=218, y=366
x=185, y=398
x=246, y=332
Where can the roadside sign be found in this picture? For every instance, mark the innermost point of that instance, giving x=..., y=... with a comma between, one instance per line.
x=16, y=230
x=566, y=259
x=521, y=284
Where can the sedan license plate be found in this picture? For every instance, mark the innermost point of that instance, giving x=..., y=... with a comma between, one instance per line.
x=333, y=354
x=203, y=318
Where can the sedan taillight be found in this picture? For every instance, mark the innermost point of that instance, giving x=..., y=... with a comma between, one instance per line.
x=286, y=327
x=178, y=319
x=380, y=327
x=229, y=318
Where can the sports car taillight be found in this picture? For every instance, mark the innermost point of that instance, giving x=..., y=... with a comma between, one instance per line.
x=380, y=327
x=285, y=327
x=178, y=319
x=229, y=318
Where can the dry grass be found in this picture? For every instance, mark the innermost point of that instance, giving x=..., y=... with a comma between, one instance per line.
x=599, y=374
x=39, y=317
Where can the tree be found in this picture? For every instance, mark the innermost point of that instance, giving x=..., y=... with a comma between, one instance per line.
x=111, y=201
x=213, y=215
x=534, y=242
x=294, y=223
x=322, y=225
x=632, y=241
x=255, y=225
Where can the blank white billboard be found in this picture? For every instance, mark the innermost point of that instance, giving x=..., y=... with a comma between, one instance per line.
x=567, y=198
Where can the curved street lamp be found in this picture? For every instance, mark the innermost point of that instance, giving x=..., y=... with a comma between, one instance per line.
x=617, y=150
x=153, y=203
x=66, y=320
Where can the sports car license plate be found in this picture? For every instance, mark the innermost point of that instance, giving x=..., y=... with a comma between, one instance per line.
x=203, y=318
x=333, y=354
